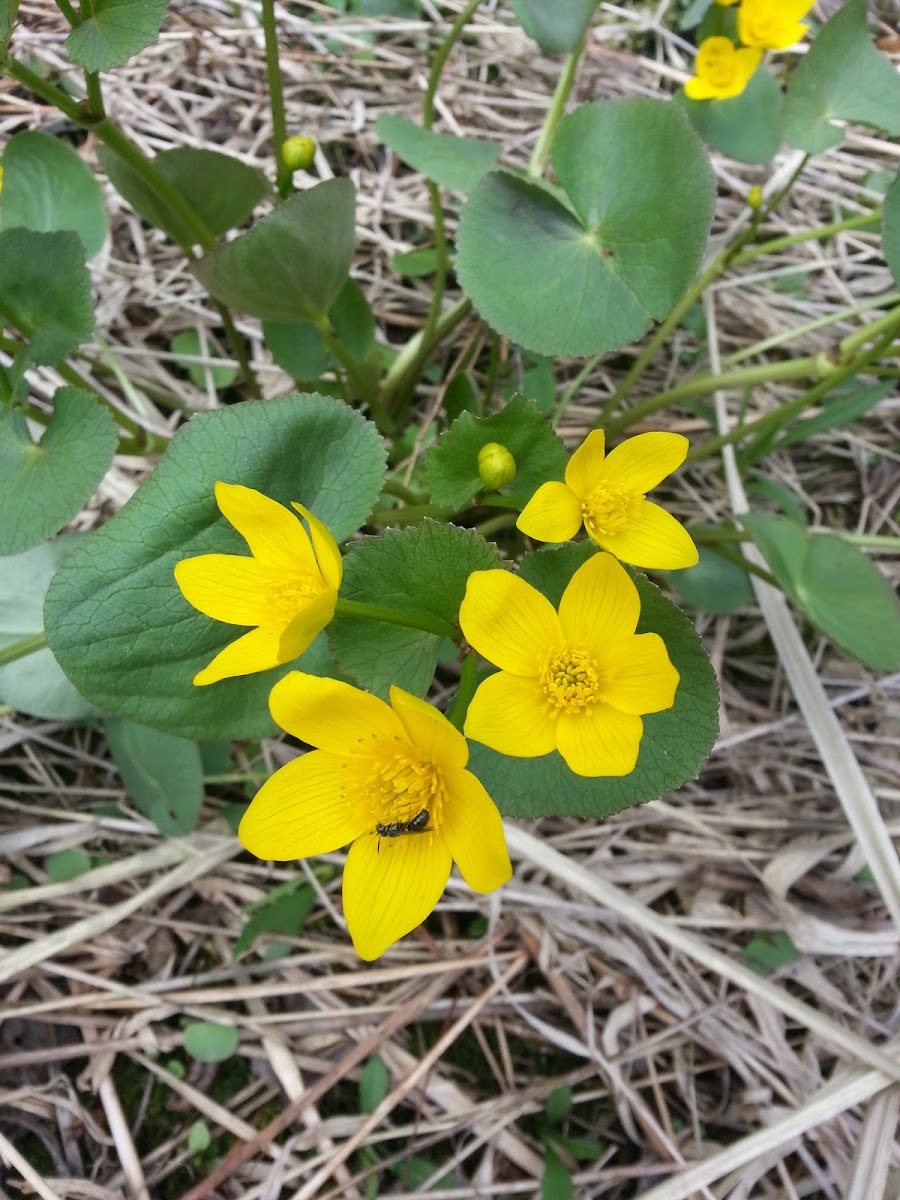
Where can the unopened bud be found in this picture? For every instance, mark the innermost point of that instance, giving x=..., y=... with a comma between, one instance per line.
x=755, y=197
x=298, y=153
x=496, y=466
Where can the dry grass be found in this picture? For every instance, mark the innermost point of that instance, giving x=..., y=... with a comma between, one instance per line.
x=614, y=961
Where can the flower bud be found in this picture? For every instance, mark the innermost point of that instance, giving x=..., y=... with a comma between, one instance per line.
x=496, y=466
x=755, y=197
x=298, y=153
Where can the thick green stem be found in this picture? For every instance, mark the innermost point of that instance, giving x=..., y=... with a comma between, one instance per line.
x=397, y=616
x=544, y=145
x=468, y=682
x=283, y=174
x=404, y=370
x=27, y=645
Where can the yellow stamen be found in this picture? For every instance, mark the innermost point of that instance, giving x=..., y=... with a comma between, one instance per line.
x=570, y=681
x=395, y=783
x=290, y=595
x=608, y=507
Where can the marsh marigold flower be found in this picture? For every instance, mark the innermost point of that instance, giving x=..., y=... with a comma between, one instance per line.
x=287, y=589
x=723, y=70
x=577, y=680
x=772, y=24
x=605, y=493
x=391, y=779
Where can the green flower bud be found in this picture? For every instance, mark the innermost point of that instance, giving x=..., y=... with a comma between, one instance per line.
x=755, y=197
x=298, y=153
x=496, y=466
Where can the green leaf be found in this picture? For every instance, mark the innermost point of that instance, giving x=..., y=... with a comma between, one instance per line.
x=890, y=230
x=766, y=952
x=714, y=585
x=188, y=343
x=746, y=127
x=66, y=864
x=8, y=9
x=47, y=187
x=837, y=410
x=162, y=773
x=283, y=911
x=416, y=264
x=451, y=469
x=841, y=78
x=46, y=291
x=114, y=31
x=208, y=1042
x=580, y=1147
x=557, y=1104
x=45, y=485
x=422, y=570
x=353, y=321
x=199, y=1137
x=35, y=684
x=292, y=264
x=674, y=744
x=298, y=347
x=374, y=1083
x=453, y=162
x=556, y=1182
x=221, y=190
x=115, y=617
x=833, y=582
x=592, y=274
x=556, y=27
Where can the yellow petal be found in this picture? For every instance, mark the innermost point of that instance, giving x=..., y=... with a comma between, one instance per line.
x=275, y=536
x=653, y=539
x=306, y=625
x=301, y=811
x=329, y=714
x=584, y=468
x=327, y=551
x=226, y=587
x=641, y=462
x=553, y=514
x=430, y=731
x=638, y=676
x=509, y=714
x=390, y=887
x=508, y=621
x=700, y=89
x=604, y=743
x=473, y=833
x=600, y=604
x=255, y=651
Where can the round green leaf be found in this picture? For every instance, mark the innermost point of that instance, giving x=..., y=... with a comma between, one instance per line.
x=374, y=1084
x=114, y=31
x=674, y=744
x=46, y=186
x=292, y=264
x=208, y=1042
x=64, y=865
x=590, y=271
x=421, y=570
x=453, y=162
x=890, y=232
x=115, y=617
x=45, y=485
x=35, y=684
x=162, y=773
x=746, y=127
x=220, y=189
x=451, y=470
x=188, y=343
x=714, y=585
x=45, y=290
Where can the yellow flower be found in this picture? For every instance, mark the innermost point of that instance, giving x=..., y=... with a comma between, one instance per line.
x=606, y=494
x=576, y=681
x=722, y=70
x=772, y=24
x=287, y=589
x=389, y=779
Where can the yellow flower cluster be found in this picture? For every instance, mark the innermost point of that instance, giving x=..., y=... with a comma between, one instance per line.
x=723, y=69
x=391, y=778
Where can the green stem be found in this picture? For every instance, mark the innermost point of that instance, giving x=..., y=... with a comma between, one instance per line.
x=397, y=616
x=283, y=174
x=406, y=367
x=861, y=221
x=27, y=645
x=362, y=385
x=544, y=145
x=468, y=682
x=745, y=564
x=571, y=390
x=393, y=487
x=412, y=514
x=94, y=95
x=68, y=12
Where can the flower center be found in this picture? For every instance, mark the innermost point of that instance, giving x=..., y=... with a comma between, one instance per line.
x=396, y=785
x=290, y=595
x=608, y=507
x=570, y=681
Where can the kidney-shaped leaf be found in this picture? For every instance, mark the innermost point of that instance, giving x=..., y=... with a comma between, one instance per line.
x=674, y=744
x=591, y=275
x=293, y=263
x=45, y=290
x=47, y=186
x=114, y=31
x=114, y=616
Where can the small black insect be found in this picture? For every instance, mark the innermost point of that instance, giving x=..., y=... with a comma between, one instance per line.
x=418, y=824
